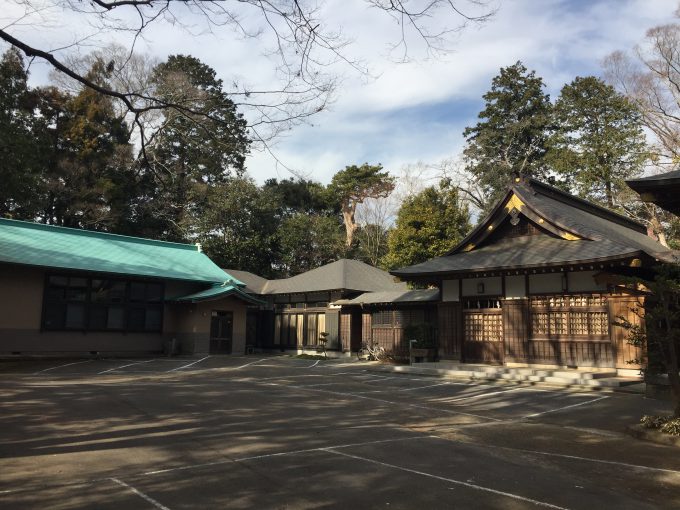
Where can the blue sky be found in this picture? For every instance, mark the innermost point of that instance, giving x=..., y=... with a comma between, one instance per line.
x=411, y=112
x=417, y=112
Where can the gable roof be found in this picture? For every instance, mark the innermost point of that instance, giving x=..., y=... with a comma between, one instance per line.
x=253, y=283
x=393, y=296
x=343, y=274
x=35, y=244
x=574, y=231
x=219, y=291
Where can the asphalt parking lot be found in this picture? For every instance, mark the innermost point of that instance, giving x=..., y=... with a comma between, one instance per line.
x=277, y=432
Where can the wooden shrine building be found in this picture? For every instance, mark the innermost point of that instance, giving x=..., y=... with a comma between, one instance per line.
x=539, y=281
x=661, y=189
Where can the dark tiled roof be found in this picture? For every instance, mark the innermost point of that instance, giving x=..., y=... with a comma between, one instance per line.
x=254, y=284
x=341, y=274
x=575, y=231
x=668, y=176
x=398, y=296
x=521, y=252
x=661, y=189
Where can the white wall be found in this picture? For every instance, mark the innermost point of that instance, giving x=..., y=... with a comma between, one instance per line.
x=550, y=282
x=493, y=286
x=450, y=290
x=583, y=281
x=515, y=286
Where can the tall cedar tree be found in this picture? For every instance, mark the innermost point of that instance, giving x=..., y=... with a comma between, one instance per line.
x=351, y=186
x=201, y=145
x=90, y=159
x=20, y=142
x=238, y=229
x=599, y=142
x=428, y=225
x=511, y=137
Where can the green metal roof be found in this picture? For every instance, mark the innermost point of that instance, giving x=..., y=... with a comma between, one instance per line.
x=218, y=292
x=35, y=244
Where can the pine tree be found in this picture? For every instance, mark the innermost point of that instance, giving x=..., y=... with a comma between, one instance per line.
x=599, y=142
x=20, y=141
x=202, y=144
x=512, y=134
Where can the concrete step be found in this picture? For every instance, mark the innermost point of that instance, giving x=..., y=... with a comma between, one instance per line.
x=559, y=377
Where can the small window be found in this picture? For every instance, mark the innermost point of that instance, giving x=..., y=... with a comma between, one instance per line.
x=75, y=316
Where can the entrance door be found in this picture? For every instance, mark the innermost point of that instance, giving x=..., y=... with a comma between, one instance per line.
x=221, y=329
x=483, y=336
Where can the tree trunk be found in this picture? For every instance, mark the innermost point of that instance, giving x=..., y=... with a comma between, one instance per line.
x=348, y=211
x=657, y=230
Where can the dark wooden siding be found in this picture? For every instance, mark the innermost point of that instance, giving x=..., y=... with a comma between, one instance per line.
x=333, y=329
x=345, y=330
x=516, y=329
x=366, y=324
x=450, y=330
x=576, y=353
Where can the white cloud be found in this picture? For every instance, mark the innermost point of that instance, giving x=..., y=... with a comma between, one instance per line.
x=414, y=111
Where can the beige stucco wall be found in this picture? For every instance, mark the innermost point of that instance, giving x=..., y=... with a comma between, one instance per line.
x=192, y=324
x=21, y=295
x=21, y=291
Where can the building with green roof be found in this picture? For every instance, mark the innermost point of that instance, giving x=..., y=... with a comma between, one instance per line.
x=72, y=291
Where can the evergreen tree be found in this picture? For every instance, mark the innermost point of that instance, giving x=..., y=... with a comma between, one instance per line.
x=428, y=225
x=238, y=229
x=20, y=141
x=202, y=144
x=308, y=241
x=599, y=142
x=512, y=134
x=89, y=159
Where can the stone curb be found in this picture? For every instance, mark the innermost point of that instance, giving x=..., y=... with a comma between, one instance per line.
x=641, y=432
x=473, y=376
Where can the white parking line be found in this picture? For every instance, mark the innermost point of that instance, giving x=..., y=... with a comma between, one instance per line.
x=140, y=494
x=566, y=407
x=249, y=364
x=402, y=389
x=188, y=365
x=479, y=395
x=283, y=454
x=314, y=364
x=384, y=401
x=585, y=459
x=448, y=480
x=61, y=366
x=124, y=366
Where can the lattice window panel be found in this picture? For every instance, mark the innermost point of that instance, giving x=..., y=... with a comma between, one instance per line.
x=574, y=318
x=481, y=327
x=579, y=323
x=539, y=323
x=598, y=323
x=558, y=323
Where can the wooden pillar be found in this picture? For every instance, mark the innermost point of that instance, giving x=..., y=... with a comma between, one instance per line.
x=345, y=330
x=516, y=330
x=450, y=320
